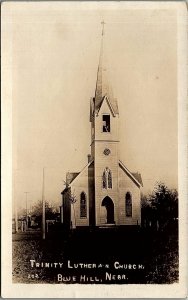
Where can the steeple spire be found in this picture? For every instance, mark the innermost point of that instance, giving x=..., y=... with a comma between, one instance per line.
x=102, y=86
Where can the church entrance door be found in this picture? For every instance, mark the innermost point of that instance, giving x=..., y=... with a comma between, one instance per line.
x=109, y=205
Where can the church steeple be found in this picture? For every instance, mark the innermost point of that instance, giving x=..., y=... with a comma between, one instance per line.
x=107, y=192
x=103, y=88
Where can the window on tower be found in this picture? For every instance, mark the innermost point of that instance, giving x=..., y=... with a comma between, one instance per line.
x=104, y=183
x=106, y=123
x=107, y=179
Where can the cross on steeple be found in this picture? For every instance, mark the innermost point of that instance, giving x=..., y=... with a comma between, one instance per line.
x=102, y=85
x=103, y=23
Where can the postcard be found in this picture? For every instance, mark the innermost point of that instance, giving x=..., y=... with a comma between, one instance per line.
x=94, y=153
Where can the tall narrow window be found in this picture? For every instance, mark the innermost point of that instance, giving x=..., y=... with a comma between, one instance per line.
x=128, y=204
x=106, y=123
x=109, y=179
x=83, y=206
x=104, y=183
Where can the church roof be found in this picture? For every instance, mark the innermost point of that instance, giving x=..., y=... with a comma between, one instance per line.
x=71, y=176
x=136, y=177
x=103, y=88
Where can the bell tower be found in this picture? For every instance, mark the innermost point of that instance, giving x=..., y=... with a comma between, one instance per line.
x=104, y=117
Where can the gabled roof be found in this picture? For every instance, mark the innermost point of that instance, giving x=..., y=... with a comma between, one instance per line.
x=74, y=175
x=102, y=85
x=136, y=177
x=71, y=176
x=109, y=104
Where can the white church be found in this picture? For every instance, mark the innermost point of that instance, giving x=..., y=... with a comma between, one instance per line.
x=105, y=193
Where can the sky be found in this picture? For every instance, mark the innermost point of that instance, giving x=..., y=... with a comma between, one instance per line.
x=55, y=54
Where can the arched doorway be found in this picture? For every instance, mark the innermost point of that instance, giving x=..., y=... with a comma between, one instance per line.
x=109, y=205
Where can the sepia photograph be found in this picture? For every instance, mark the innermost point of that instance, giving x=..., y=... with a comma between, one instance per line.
x=94, y=100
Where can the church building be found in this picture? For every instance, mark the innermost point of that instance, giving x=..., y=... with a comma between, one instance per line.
x=105, y=193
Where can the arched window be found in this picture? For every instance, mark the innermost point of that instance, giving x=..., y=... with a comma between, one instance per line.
x=83, y=205
x=128, y=205
x=104, y=183
x=109, y=179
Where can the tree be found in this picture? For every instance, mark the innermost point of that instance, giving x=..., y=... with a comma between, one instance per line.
x=72, y=199
x=146, y=210
x=50, y=210
x=164, y=203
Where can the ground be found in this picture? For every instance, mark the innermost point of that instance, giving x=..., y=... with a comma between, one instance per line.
x=110, y=256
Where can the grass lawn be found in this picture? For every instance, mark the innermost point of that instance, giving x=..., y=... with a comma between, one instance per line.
x=137, y=256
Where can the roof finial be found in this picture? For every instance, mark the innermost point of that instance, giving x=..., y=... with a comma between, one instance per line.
x=103, y=23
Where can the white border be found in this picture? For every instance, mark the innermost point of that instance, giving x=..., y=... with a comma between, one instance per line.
x=10, y=290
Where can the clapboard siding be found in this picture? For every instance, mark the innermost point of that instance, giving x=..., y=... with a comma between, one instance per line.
x=126, y=184
x=90, y=181
x=101, y=162
x=80, y=185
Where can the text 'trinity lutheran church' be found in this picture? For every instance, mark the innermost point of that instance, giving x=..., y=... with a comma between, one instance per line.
x=105, y=192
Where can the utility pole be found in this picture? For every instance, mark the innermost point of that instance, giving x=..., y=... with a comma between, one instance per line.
x=103, y=23
x=26, y=210
x=43, y=209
